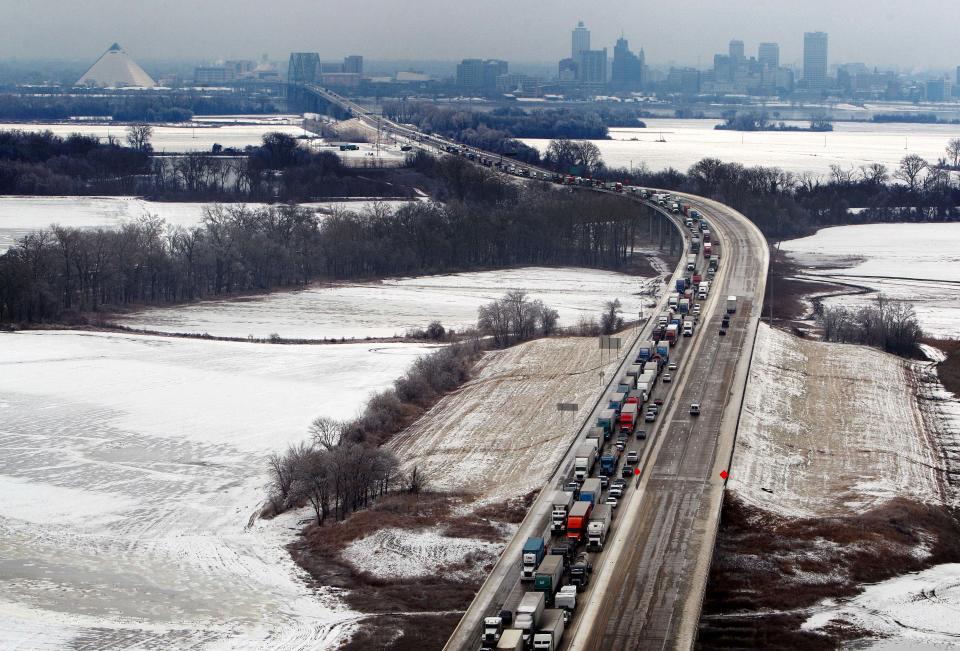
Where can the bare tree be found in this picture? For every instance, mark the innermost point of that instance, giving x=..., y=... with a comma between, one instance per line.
x=875, y=173
x=416, y=481
x=841, y=176
x=326, y=432
x=138, y=136
x=911, y=166
x=953, y=151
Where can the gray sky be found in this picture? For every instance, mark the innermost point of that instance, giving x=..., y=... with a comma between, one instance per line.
x=914, y=33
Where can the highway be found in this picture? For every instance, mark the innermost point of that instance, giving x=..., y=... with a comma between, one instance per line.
x=648, y=583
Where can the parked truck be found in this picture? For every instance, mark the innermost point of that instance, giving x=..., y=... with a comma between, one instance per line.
x=529, y=613
x=533, y=553
x=492, y=630
x=590, y=491
x=511, y=640
x=672, y=330
x=550, y=632
x=731, y=304
x=606, y=420
x=598, y=527
x=646, y=351
x=562, y=501
x=628, y=418
x=548, y=575
x=578, y=518
x=583, y=462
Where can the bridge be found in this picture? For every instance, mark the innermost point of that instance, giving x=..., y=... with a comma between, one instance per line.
x=650, y=580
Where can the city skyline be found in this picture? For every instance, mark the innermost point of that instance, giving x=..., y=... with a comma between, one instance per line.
x=882, y=33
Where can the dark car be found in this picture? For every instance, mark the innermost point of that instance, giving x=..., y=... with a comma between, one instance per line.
x=723, y=332
x=627, y=471
x=641, y=434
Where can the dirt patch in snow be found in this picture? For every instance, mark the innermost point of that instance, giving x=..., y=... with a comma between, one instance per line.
x=769, y=572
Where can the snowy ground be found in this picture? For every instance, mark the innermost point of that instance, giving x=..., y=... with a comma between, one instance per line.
x=915, y=611
x=918, y=263
x=390, y=307
x=500, y=435
x=20, y=215
x=829, y=429
x=129, y=472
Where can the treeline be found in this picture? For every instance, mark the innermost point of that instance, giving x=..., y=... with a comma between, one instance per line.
x=760, y=121
x=344, y=467
x=173, y=106
x=41, y=163
x=60, y=273
x=889, y=325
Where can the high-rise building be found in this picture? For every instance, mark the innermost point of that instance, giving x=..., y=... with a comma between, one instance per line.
x=768, y=54
x=627, y=70
x=470, y=73
x=580, y=41
x=493, y=68
x=815, y=60
x=304, y=67
x=592, y=66
x=353, y=63
x=958, y=76
x=736, y=51
x=568, y=70
x=938, y=90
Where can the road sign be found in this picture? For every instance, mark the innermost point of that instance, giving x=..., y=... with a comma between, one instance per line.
x=568, y=406
x=609, y=343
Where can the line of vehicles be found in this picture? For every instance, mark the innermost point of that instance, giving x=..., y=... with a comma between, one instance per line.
x=557, y=566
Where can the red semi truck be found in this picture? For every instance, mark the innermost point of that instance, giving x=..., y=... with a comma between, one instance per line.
x=628, y=418
x=577, y=521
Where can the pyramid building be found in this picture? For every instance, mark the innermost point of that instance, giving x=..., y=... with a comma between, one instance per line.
x=115, y=68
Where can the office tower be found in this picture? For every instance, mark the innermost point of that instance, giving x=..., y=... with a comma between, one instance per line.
x=815, y=60
x=580, y=41
x=768, y=54
x=736, y=51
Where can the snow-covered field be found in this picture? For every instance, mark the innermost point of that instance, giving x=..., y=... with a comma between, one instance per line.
x=500, y=435
x=918, y=263
x=829, y=429
x=129, y=472
x=20, y=215
x=390, y=307
x=914, y=611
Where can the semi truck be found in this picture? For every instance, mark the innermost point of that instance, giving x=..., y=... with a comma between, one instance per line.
x=688, y=328
x=590, y=491
x=672, y=330
x=562, y=501
x=634, y=370
x=550, y=632
x=646, y=351
x=628, y=418
x=584, y=461
x=626, y=384
x=684, y=307
x=606, y=420
x=663, y=350
x=577, y=520
x=707, y=249
x=651, y=367
x=731, y=304
x=691, y=262
x=529, y=613
x=645, y=385
x=681, y=283
x=695, y=245
x=714, y=262
x=595, y=436
x=615, y=401
x=566, y=598
x=598, y=527
x=608, y=462
x=533, y=552
x=511, y=640
x=547, y=579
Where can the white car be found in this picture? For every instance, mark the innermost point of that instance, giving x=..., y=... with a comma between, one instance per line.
x=672, y=366
x=612, y=502
x=667, y=378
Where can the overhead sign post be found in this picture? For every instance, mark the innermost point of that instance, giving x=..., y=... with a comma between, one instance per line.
x=570, y=407
x=609, y=343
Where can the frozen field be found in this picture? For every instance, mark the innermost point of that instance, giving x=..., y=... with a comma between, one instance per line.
x=829, y=429
x=918, y=263
x=390, y=307
x=130, y=468
x=20, y=215
x=500, y=435
x=914, y=611
x=688, y=141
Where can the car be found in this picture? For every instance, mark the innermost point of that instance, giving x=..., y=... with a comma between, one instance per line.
x=695, y=409
x=723, y=332
x=650, y=417
x=696, y=308
x=641, y=434
x=672, y=366
x=658, y=402
x=623, y=439
x=666, y=378
x=571, y=487
x=611, y=502
x=616, y=491
x=604, y=481
x=620, y=445
x=654, y=408
x=633, y=456
x=627, y=470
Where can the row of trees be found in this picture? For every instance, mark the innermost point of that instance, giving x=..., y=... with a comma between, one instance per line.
x=889, y=325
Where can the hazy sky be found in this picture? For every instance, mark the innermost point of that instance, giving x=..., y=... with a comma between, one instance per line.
x=909, y=32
